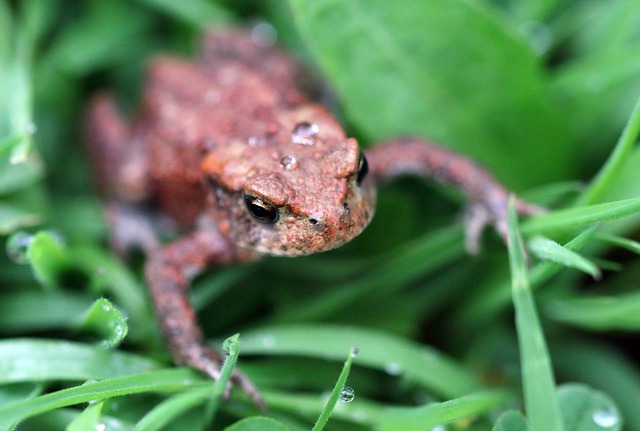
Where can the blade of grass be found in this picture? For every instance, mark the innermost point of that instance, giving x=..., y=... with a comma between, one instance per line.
x=171, y=408
x=613, y=166
x=392, y=354
x=155, y=381
x=547, y=249
x=434, y=414
x=573, y=219
x=336, y=393
x=601, y=313
x=540, y=398
x=51, y=360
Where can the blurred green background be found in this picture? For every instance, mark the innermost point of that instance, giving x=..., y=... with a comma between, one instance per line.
x=539, y=92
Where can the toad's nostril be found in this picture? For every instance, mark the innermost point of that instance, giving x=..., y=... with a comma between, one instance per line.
x=313, y=221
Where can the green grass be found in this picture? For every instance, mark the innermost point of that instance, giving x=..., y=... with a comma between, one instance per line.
x=544, y=93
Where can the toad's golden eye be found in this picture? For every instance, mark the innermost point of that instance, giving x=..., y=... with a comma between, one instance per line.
x=363, y=169
x=261, y=210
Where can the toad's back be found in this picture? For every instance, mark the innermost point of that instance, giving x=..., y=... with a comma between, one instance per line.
x=190, y=108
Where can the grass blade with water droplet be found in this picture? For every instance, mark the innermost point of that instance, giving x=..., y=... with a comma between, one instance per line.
x=335, y=394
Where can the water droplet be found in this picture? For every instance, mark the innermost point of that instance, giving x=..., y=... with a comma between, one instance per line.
x=304, y=133
x=118, y=330
x=264, y=34
x=606, y=417
x=438, y=428
x=256, y=141
x=101, y=427
x=354, y=352
x=18, y=247
x=57, y=237
x=538, y=34
x=106, y=307
x=289, y=163
x=347, y=394
x=393, y=368
x=268, y=341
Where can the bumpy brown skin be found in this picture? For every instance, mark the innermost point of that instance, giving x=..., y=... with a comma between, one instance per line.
x=230, y=134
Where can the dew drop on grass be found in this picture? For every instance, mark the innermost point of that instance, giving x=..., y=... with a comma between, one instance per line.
x=268, y=341
x=354, y=352
x=393, y=368
x=347, y=394
x=606, y=417
x=18, y=246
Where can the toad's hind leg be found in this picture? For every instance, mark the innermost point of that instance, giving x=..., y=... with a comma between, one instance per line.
x=119, y=163
x=118, y=158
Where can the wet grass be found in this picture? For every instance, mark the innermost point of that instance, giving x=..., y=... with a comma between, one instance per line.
x=543, y=93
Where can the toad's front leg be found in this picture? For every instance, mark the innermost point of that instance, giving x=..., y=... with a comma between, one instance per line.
x=488, y=198
x=168, y=272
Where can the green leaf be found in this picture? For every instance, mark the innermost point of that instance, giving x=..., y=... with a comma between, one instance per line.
x=537, y=374
x=257, y=423
x=547, y=249
x=105, y=320
x=392, y=354
x=444, y=69
x=511, y=421
x=586, y=409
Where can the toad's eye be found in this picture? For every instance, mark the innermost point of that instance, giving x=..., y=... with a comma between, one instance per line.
x=261, y=210
x=363, y=169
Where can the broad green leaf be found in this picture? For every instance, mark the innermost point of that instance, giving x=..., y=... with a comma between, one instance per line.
x=546, y=249
x=257, y=423
x=537, y=372
x=444, y=69
x=586, y=409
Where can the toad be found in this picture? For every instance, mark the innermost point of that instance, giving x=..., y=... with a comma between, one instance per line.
x=233, y=153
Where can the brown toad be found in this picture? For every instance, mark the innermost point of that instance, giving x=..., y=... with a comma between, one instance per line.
x=245, y=164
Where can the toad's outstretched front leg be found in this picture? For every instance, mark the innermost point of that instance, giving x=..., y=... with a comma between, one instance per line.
x=488, y=198
x=168, y=271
